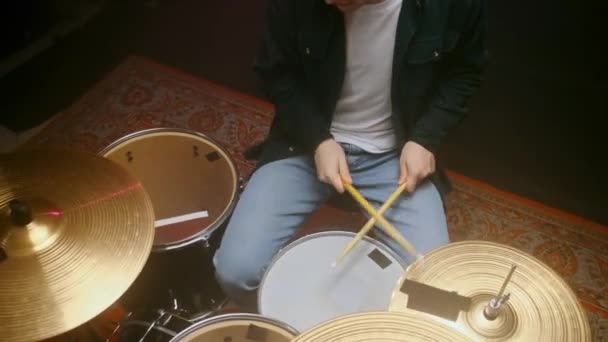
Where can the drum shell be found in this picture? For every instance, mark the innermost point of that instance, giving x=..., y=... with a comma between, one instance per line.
x=184, y=172
x=237, y=327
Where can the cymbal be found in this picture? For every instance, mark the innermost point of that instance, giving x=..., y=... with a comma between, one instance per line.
x=540, y=306
x=406, y=326
x=75, y=231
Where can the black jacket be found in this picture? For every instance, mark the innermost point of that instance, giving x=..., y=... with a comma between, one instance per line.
x=437, y=65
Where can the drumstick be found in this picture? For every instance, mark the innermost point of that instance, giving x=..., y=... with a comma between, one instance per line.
x=370, y=223
x=390, y=230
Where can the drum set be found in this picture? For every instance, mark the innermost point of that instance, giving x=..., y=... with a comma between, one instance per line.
x=136, y=227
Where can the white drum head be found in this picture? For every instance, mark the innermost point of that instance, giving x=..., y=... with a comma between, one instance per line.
x=303, y=287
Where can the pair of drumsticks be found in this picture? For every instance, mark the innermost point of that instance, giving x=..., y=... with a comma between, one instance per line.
x=376, y=216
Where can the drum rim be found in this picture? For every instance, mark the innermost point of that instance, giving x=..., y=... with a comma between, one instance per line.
x=229, y=316
x=204, y=234
x=303, y=239
x=137, y=318
x=147, y=324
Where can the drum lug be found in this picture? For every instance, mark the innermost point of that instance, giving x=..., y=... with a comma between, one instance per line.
x=241, y=184
x=206, y=241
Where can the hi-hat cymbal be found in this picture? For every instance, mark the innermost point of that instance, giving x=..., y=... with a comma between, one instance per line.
x=406, y=326
x=75, y=231
x=540, y=306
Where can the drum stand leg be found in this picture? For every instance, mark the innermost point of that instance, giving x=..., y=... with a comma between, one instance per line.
x=162, y=315
x=173, y=301
x=117, y=328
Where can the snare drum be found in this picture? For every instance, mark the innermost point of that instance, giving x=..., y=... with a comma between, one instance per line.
x=237, y=328
x=192, y=182
x=304, y=287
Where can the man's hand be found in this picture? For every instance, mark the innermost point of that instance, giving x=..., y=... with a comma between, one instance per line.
x=416, y=163
x=332, y=168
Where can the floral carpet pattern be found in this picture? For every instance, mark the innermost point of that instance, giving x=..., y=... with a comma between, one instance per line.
x=140, y=94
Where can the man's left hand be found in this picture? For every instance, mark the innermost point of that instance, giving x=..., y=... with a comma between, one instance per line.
x=416, y=164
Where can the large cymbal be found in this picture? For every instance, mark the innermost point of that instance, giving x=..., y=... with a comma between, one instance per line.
x=406, y=326
x=75, y=231
x=540, y=306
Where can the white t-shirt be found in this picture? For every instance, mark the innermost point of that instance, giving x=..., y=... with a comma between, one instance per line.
x=363, y=112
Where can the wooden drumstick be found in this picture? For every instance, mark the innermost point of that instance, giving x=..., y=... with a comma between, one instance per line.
x=390, y=230
x=370, y=223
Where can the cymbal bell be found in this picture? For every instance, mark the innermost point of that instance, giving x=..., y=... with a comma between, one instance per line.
x=406, y=326
x=75, y=231
x=538, y=305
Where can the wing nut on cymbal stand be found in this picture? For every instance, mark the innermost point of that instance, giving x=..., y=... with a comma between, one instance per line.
x=492, y=310
x=20, y=215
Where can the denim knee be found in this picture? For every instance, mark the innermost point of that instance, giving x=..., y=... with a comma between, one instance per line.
x=237, y=274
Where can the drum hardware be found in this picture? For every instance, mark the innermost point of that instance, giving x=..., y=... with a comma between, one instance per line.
x=206, y=240
x=163, y=319
x=112, y=336
x=174, y=303
x=17, y=216
x=195, y=150
x=162, y=325
x=76, y=231
x=492, y=310
x=241, y=184
x=20, y=213
x=201, y=316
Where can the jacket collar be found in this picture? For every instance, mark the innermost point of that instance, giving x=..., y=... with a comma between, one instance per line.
x=406, y=27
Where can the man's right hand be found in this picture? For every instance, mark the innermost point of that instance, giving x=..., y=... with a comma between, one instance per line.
x=332, y=168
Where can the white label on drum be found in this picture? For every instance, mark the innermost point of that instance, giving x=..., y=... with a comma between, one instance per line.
x=181, y=218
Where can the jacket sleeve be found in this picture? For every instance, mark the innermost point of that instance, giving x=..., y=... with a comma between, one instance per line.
x=278, y=65
x=461, y=77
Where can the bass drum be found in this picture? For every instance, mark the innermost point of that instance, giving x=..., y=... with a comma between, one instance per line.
x=193, y=184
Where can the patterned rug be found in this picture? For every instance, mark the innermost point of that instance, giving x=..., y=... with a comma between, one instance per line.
x=140, y=94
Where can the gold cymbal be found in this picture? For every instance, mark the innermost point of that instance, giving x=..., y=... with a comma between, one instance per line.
x=406, y=326
x=75, y=231
x=540, y=306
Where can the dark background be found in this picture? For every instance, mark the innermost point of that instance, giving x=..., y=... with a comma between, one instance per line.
x=536, y=128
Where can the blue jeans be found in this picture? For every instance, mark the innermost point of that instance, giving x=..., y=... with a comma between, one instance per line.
x=280, y=195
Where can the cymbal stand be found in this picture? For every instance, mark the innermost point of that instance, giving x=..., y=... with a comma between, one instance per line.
x=492, y=310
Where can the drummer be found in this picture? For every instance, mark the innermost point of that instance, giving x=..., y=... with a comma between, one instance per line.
x=347, y=111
